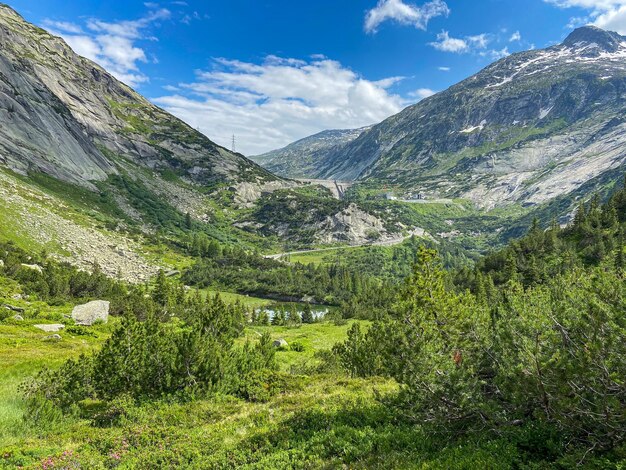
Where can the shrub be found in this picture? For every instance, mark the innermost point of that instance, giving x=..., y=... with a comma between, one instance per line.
x=152, y=359
x=551, y=355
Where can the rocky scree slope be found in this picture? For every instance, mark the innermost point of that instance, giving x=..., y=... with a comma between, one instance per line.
x=65, y=116
x=305, y=158
x=528, y=128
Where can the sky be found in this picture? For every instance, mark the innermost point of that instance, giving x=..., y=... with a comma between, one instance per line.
x=271, y=72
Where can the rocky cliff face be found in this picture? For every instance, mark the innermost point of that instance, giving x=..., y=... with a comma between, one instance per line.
x=306, y=157
x=65, y=116
x=527, y=128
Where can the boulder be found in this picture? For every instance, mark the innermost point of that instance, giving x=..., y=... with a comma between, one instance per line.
x=1, y=263
x=18, y=318
x=33, y=267
x=280, y=343
x=50, y=328
x=53, y=338
x=91, y=312
x=13, y=308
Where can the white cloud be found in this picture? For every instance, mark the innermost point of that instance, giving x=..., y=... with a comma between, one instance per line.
x=63, y=26
x=613, y=20
x=496, y=55
x=422, y=93
x=515, y=37
x=591, y=4
x=444, y=69
x=403, y=13
x=479, y=41
x=606, y=14
x=274, y=103
x=111, y=44
x=447, y=43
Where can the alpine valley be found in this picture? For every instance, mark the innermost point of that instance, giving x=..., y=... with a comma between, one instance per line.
x=444, y=289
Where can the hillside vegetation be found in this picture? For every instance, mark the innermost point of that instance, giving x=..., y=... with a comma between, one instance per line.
x=495, y=367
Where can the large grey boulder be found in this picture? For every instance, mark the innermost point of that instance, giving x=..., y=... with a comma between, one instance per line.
x=280, y=343
x=91, y=312
x=50, y=328
x=53, y=338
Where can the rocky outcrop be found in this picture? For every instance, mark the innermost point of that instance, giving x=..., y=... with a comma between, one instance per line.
x=87, y=314
x=351, y=225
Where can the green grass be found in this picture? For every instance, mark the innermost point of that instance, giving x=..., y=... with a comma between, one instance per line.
x=23, y=353
x=245, y=300
x=314, y=337
x=321, y=420
x=220, y=423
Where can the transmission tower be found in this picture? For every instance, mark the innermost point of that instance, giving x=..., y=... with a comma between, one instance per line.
x=234, y=147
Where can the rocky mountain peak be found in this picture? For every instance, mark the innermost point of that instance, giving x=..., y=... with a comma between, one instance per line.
x=586, y=36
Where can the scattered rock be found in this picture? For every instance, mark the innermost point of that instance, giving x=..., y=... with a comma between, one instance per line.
x=18, y=318
x=13, y=308
x=280, y=343
x=16, y=296
x=1, y=263
x=50, y=328
x=53, y=338
x=91, y=312
x=174, y=272
x=33, y=267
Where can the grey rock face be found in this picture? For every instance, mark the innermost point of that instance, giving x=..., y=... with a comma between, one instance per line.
x=528, y=128
x=65, y=116
x=51, y=328
x=18, y=318
x=91, y=312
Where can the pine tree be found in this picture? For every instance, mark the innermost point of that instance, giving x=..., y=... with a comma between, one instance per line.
x=161, y=293
x=307, y=314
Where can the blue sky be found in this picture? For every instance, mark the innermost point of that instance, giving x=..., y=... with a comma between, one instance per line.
x=273, y=71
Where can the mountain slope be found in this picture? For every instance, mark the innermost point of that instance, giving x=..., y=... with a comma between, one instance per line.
x=92, y=172
x=527, y=128
x=305, y=157
x=65, y=116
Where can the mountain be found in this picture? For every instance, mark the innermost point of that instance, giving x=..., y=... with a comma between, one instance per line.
x=301, y=159
x=526, y=129
x=94, y=173
x=65, y=116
